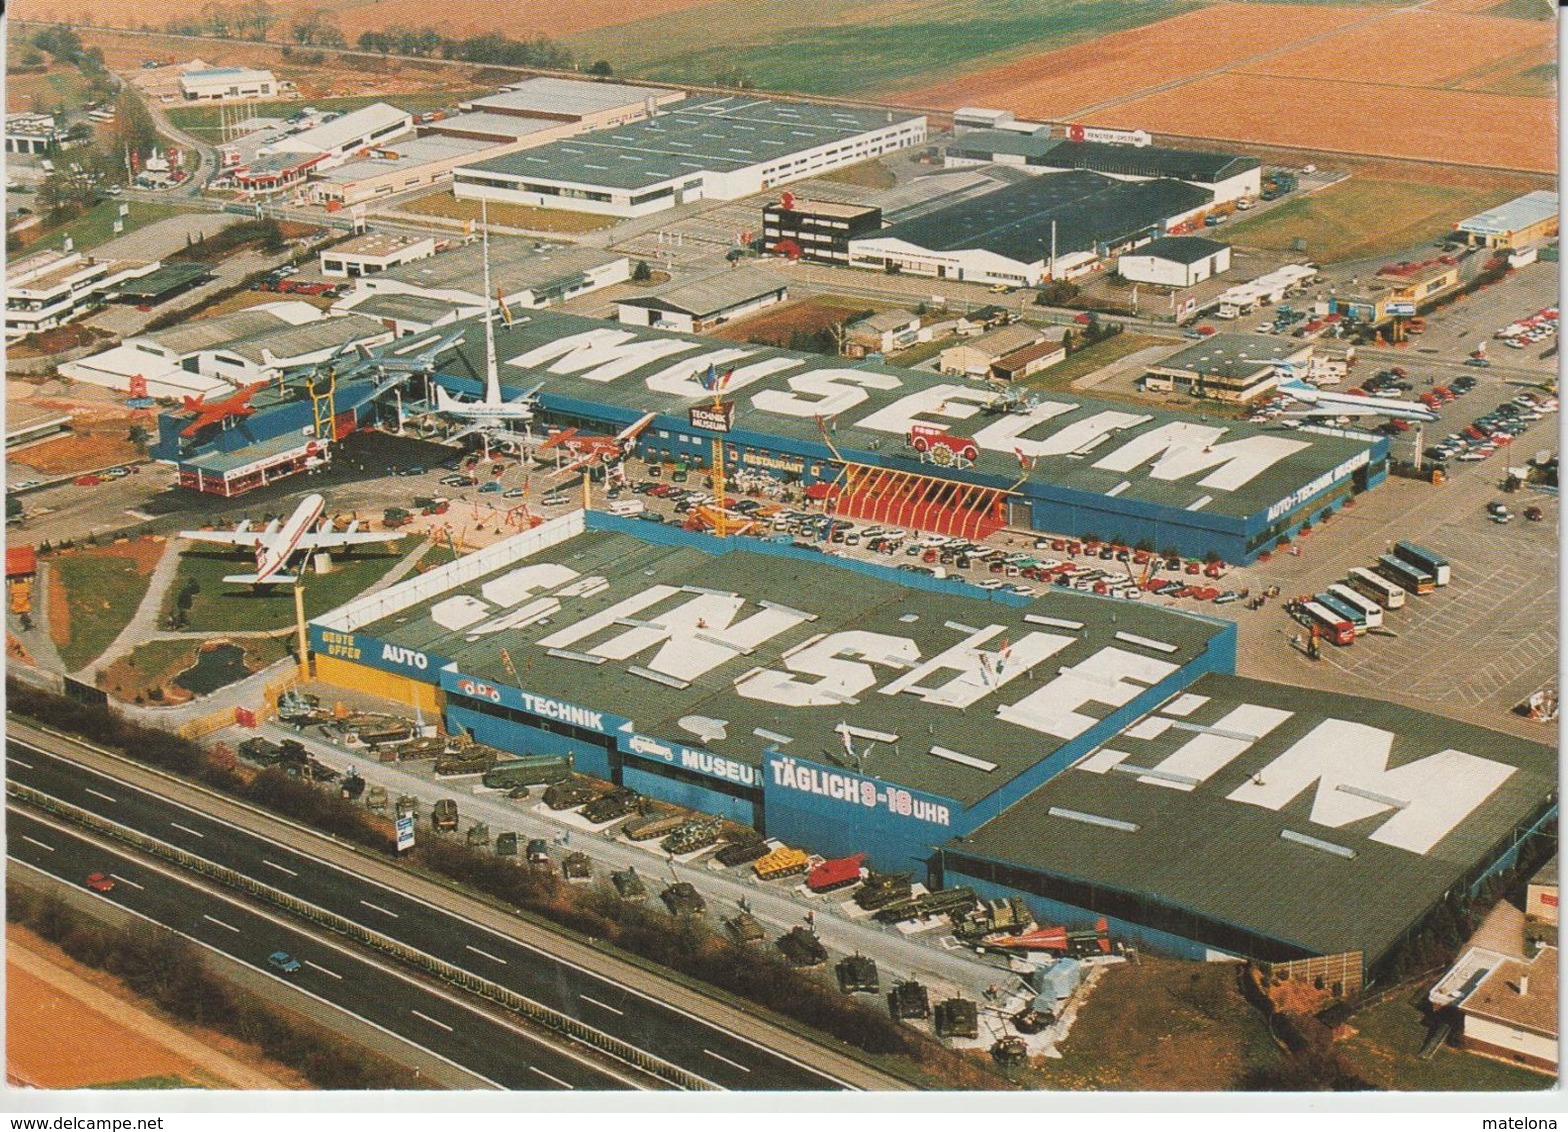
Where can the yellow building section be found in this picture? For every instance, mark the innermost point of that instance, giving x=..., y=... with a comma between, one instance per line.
x=388, y=685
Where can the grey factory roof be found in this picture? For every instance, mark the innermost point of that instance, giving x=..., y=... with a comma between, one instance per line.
x=713, y=133
x=701, y=674
x=515, y=265
x=1239, y=761
x=1087, y=208
x=1180, y=249
x=187, y=338
x=306, y=338
x=1039, y=148
x=715, y=294
x=407, y=308
x=330, y=136
x=1232, y=355
x=567, y=352
x=508, y=126
x=573, y=97
x=411, y=154
x=1521, y=212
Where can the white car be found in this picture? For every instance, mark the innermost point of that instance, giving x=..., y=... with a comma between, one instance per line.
x=991, y=584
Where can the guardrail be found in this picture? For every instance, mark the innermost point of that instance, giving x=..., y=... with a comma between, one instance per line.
x=447, y=972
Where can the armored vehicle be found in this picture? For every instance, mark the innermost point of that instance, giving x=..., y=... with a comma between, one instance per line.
x=782, y=862
x=259, y=750
x=654, y=825
x=802, y=948
x=478, y=834
x=957, y=1018
x=908, y=999
x=569, y=793
x=469, y=759
x=529, y=770
x=616, y=804
x=882, y=889
x=628, y=885
x=1009, y=1053
x=740, y=852
x=947, y=902
x=443, y=816
x=376, y=799
x=683, y=900
x=858, y=975
x=352, y=785
x=991, y=916
x=577, y=868
x=744, y=929
x=699, y=833
x=506, y=844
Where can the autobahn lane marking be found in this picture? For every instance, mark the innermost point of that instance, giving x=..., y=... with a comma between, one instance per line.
x=132, y=883
x=322, y=969
x=38, y=843
x=220, y=923
x=431, y=1020
x=280, y=868
x=187, y=829
x=727, y=1061
x=548, y=1077
x=101, y=794
x=486, y=954
x=601, y=1005
x=379, y=908
x=20, y=763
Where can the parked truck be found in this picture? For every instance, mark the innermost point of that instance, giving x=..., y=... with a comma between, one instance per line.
x=527, y=770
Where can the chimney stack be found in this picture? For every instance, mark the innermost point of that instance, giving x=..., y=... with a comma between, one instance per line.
x=1524, y=985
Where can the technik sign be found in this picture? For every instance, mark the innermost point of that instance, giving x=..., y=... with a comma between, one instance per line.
x=1175, y=450
x=698, y=762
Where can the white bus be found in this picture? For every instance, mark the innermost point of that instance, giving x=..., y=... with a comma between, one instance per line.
x=1371, y=609
x=1376, y=587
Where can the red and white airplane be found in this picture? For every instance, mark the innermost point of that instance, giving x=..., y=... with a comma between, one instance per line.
x=595, y=449
x=276, y=543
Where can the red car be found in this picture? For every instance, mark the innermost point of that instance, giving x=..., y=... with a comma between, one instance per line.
x=99, y=882
x=1194, y=567
x=88, y=481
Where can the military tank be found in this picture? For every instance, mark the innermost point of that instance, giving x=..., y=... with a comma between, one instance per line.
x=801, y=948
x=908, y=1000
x=698, y=833
x=606, y=808
x=682, y=899
x=577, y=868
x=569, y=793
x=654, y=825
x=1009, y=1053
x=957, y=1018
x=628, y=885
x=741, y=852
x=744, y=929
x=881, y=889
x=857, y=974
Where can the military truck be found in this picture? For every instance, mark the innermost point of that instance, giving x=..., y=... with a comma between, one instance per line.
x=569, y=793
x=616, y=804
x=944, y=903
x=857, y=974
x=577, y=868
x=908, y=999
x=628, y=885
x=478, y=835
x=741, y=852
x=683, y=900
x=506, y=844
x=528, y=770
x=443, y=816
x=881, y=889
x=698, y=833
x=744, y=929
x=957, y=1018
x=654, y=825
x=782, y=862
x=801, y=948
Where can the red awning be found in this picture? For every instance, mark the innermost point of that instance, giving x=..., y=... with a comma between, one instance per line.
x=20, y=561
x=822, y=489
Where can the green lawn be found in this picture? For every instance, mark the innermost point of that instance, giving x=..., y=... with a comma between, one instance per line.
x=835, y=47
x=155, y=664
x=204, y=119
x=871, y=174
x=101, y=593
x=1390, y=1035
x=220, y=606
x=1364, y=217
x=444, y=203
x=96, y=225
x=1060, y=377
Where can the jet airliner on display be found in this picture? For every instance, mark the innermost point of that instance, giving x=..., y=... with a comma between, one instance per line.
x=276, y=543
x=1322, y=403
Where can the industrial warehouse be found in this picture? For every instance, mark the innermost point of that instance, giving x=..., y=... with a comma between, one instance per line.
x=1009, y=744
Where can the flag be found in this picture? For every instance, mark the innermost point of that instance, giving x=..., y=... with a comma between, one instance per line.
x=506, y=311
x=709, y=380
x=1003, y=656
x=725, y=379
x=1025, y=462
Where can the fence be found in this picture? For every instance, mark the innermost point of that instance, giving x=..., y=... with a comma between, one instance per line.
x=447, y=972
x=1340, y=975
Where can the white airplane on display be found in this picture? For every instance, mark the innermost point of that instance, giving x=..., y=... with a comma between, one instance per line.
x=276, y=543
x=1322, y=403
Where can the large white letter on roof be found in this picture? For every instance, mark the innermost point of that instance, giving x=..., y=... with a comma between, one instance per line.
x=1052, y=708
x=1349, y=763
x=681, y=378
x=1007, y=434
x=1081, y=436
x=837, y=659
x=1182, y=448
x=956, y=401
x=698, y=636
x=602, y=355
x=979, y=672
x=823, y=392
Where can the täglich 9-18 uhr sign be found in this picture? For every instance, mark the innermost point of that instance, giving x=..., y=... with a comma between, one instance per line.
x=713, y=419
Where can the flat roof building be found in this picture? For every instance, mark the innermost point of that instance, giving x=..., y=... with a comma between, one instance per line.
x=1227, y=367
x=1524, y=220
x=1175, y=261
x=815, y=230
x=590, y=105
x=50, y=288
x=399, y=166
x=706, y=303
x=225, y=84
x=1053, y=226
x=716, y=147
x=336, y=140
x=523, y=273
x=373, y=253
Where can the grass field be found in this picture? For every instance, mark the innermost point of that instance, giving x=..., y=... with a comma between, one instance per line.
x=1060, y=377
x=444, y=203
x=204, y=119
x=1390, y=1035
x=155, y=664
x=96, y=225
x=101, y=596
x=840, y=47
x=61, y=87
x=1365, y=217
x=775, y=325
x=871, y=174
x=220, y=606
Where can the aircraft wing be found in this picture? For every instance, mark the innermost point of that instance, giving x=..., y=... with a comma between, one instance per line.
x=1340, y=409
x=325, y=540
x=572, y=467
x=228, y=538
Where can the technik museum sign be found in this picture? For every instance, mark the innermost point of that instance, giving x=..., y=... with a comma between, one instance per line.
x=1121, y=441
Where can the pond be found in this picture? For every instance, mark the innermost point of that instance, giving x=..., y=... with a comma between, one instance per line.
x=215, y=667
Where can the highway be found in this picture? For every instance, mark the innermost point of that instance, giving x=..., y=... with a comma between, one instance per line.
x=436, y=1021
x=727, y=1060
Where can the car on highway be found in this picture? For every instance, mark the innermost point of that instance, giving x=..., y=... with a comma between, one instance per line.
x=99, y=882
x=283, y=961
